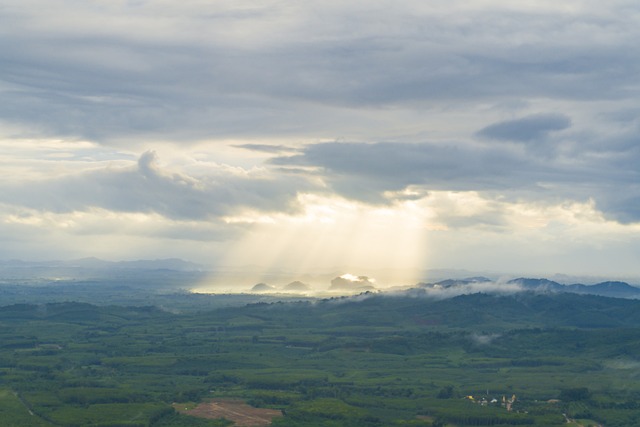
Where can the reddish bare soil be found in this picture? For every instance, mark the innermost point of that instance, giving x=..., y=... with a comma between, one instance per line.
x=237, y=411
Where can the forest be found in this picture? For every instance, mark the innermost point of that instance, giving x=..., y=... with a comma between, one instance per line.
x=369, y=360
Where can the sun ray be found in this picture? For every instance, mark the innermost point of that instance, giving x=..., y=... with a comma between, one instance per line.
x=332, y=236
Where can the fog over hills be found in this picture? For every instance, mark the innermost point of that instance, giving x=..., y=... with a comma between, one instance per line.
x=93, y=279
x=450, y=287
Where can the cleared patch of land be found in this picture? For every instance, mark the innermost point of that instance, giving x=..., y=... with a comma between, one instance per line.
x=239, y=412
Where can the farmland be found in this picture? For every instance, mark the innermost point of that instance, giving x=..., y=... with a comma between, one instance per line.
x=363, y=361
x=236, y=411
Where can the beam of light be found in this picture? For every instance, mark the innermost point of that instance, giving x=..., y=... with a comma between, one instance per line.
x=332, y=236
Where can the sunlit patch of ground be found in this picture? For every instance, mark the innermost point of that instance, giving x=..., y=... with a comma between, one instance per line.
x=237, y=411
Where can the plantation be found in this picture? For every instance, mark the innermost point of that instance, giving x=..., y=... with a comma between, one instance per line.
x=373, y=361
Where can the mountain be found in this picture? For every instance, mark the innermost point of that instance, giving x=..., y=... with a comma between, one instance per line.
x=614, y=289
x=351, y=283
x=539, y=285
x=99, y=264
x=452, y=287
x=262, y=287
x=611, y=288
x=297, y=286
x=448, y=283
x=174, y=264
x=89, y=268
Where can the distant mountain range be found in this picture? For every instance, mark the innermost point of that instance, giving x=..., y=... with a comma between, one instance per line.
x=615, y=289
x=94, y=269
x=610, y=288
x=99, y=264
x=179, y=274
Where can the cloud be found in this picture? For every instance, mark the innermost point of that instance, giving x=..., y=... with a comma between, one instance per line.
x=189, y=71
x=351, y=282
x=623, y=206
x=438, y=292
x=472, y=111
x=267, y=148
x=365, y=171
x=373, y=173
x=526, y=129
x=147, y=188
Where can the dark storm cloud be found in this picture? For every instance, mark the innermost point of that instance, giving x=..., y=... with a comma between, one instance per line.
x=368, y=172
x=526, y=129
x=365, y=171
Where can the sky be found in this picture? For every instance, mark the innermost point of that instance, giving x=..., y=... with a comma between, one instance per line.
x=280, y=135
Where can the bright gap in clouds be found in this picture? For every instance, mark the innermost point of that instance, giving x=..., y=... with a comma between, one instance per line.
x=331, y=236
x=397, y=244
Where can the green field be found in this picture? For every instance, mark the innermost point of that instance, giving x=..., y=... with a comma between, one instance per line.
x=373, y=361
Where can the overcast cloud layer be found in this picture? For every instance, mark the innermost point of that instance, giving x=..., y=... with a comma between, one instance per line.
x=207, y=123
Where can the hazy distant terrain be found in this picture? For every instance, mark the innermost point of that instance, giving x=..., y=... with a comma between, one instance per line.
x=178, y=281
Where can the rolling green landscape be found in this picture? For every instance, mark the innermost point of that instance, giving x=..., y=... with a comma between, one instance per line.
x=368, y=360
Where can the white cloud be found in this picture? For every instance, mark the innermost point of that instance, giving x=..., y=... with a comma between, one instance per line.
x=147, y=188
